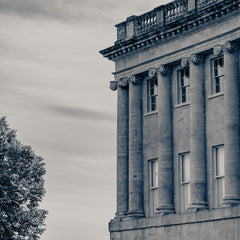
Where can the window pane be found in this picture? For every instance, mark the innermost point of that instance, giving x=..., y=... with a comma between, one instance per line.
x=186, y=168
x=154, y=174
x=186, y=195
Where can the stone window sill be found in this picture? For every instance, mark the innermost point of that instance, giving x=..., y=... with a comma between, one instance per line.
x=182, y=105
x=150, y=113
x=216, y=95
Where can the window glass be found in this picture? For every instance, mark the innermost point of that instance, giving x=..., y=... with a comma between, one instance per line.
x=183, y=85
x=218, y=75
x=154, y=173
x=152, y=95
x=219, y=151
x=186, y=168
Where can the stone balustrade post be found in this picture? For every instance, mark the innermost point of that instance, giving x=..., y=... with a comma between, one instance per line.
x=198, y=171
x=135, y=148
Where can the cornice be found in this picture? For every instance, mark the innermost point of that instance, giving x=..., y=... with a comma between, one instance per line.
x=173, y=29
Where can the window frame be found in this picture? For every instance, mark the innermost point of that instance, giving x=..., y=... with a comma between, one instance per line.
x=182, y=78
x=219, y=179
x=152, y=179
x=152, y=96
x=214, y=90
x=185, y=185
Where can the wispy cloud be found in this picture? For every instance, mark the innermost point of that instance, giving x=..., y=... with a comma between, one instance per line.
x=69, y=111
x=89, y=12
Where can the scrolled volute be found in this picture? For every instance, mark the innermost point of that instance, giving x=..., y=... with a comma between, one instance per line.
x=184, y=62
x=113, y=85
x=123, y=82
x=230, y=46
x=152, y=72
x=217, y=50
x=195, y=58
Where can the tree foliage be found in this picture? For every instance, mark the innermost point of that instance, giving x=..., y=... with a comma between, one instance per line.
x=21, y=188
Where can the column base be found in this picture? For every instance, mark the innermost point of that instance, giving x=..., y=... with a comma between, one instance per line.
x=135, y=213
x=198, y=206
x=229, y=200
x=120, y=214
x=165, y=209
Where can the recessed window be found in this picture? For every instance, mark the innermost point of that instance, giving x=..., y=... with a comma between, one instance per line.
x=183, y=85
x=153, y=186
x=185, y=179
x=152, y=85
x=217, y=75
x=153, y=174
x=218, y=155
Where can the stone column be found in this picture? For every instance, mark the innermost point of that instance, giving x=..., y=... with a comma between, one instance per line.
x=198, y=170
x=165, y=140
x=135, y=148
x=122, y=146
x=231, y=123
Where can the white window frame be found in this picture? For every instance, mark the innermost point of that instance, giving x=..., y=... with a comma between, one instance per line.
x=153, y=185
x=185, y=180
x=152, y=89
x=183, y=83
x=217, y=78
x=219, y=173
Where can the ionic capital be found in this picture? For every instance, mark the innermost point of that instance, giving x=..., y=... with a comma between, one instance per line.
x=184, y=62
x=217, y=50
x=134, y=79
x=152, y=72
x=164, y=69
x=195, y=59
x=123, y=82
x=113, y=85
x=230, y=46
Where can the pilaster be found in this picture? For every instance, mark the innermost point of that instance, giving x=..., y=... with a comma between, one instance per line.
x=122, y=145
x=135, y=148
x=198, y=171
x=165, y=140
x=231, y=123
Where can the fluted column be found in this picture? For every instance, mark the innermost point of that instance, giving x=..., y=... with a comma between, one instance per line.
x=231, y=123
x=122, y=145
x=165, y=140
x=198, y=175
x=135, y=148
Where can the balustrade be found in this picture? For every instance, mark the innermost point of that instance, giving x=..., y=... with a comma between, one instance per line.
x=174, y=10
x=146, y=21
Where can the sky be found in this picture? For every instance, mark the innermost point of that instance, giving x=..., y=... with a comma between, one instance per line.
x=54, y=90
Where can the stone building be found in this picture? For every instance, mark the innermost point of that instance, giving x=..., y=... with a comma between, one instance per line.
x=178, y=133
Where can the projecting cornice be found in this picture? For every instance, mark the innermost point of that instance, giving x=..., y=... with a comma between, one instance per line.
x=167, y=22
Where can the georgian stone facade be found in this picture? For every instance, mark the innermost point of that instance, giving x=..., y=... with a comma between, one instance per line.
x=178, y=138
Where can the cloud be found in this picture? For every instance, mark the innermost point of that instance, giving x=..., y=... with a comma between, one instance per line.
x=74, y=112
x=94, y=12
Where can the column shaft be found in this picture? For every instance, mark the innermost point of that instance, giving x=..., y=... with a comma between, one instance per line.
x=231, y=126
x=122, y=151
x=198, y=188
x=135, y=151
x=165, y=144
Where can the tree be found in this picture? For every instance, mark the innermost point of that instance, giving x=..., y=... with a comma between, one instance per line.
x=21, y=188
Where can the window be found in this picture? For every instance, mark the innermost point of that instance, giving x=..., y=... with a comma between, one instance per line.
x=152, y=95
x=185, y=179
x=153, y=177
x=183, y=85
x=218, y=154
x=153, y=174
x=217, y=75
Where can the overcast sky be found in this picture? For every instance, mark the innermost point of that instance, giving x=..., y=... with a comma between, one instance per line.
x=54, y=90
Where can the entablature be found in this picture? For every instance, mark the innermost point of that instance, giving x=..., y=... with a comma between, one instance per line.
x=167, y=22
